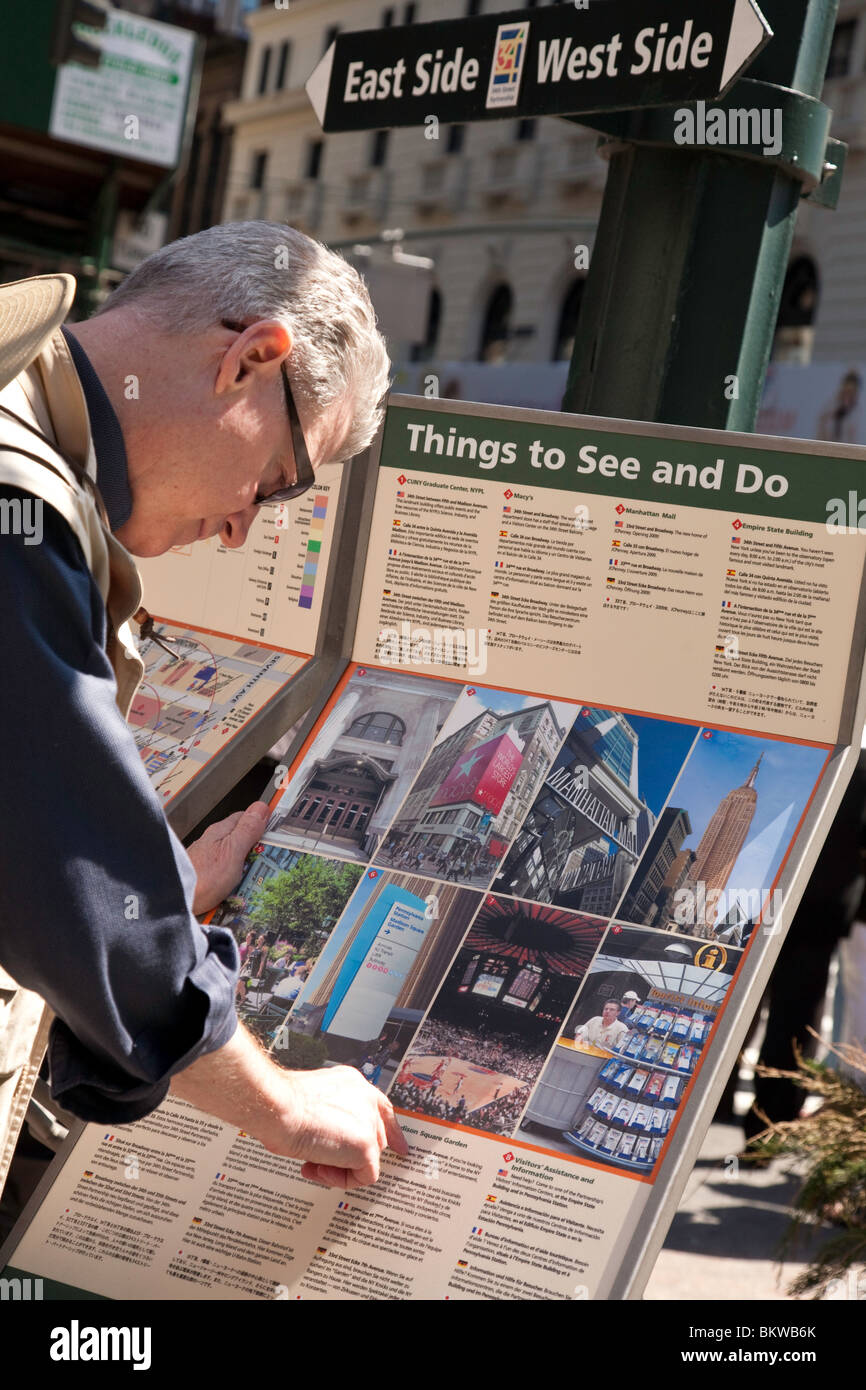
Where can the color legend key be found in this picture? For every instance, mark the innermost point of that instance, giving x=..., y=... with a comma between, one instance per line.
x=314, y=548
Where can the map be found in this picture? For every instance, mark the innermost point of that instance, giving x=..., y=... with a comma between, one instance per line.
x=193, y=701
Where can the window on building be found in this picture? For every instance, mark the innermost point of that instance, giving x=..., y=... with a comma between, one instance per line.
x=473, y=7
x=330, y=35
x=525, y=129
x=495, y=330
x=424, y=352
x=566, y=329
x=615, y=748
x=378, y=728
x=314, y=159
x=799, y=293
x=456, y=138
x=260, y=164
x=264, y=69
x=213, y=181
x=283, y=65
x=190, y=181
x=797, y=309
x=388, y=17
x=409, y=12
x=839, y=62
x=379, y=148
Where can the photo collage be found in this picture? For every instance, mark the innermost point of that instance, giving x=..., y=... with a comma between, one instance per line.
x=516, y=914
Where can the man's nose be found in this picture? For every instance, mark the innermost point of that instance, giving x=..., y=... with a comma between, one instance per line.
x=236, y=527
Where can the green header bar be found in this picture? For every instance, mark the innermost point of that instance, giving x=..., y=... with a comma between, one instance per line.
x=629, y=466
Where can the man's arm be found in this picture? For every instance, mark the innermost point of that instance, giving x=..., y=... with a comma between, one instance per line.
x=96, y=894
x=332, y=1119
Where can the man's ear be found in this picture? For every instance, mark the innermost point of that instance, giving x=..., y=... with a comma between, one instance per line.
x=262, y=346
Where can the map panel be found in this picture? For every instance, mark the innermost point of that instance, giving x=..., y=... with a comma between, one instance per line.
x=197, y=696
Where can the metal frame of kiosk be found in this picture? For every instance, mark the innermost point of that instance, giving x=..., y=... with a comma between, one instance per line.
x=635, y=1249
x=306, y=692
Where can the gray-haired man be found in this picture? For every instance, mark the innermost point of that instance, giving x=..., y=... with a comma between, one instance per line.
x=220, y=374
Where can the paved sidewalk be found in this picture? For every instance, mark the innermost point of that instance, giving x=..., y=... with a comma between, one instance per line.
x=724, y=1240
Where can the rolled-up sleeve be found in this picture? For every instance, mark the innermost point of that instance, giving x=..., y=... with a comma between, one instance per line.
x=96, y=890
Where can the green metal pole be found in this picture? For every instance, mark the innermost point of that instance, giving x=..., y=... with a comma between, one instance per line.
x=101, y=238
x=683, y=292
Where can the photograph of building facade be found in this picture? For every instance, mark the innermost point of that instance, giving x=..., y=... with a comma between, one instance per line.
x=361, y=764
x=589, y=826
x=719, y=850
x=662, y=870
x=475, y=788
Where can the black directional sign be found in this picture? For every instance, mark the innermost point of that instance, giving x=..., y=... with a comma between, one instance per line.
x=561, y=60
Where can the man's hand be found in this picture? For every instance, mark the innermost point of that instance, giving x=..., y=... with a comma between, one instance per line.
x=333, y=1120
x=218, y=856
x=344, y=1124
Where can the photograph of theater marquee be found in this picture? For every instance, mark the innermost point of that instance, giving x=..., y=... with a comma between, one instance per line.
x=596, y=810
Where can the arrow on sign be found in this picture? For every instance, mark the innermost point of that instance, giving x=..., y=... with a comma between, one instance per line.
x=557, y=61
x=749, y=32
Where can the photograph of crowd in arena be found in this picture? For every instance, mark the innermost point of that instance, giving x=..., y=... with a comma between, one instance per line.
x=482, y=1046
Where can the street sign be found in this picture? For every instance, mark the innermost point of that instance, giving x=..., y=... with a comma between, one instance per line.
x=134, y=104
x=557, y=61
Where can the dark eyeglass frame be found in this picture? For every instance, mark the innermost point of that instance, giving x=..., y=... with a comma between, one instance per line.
x=305, y=473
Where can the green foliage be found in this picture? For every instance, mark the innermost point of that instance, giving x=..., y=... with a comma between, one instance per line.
x=296, y=903
x=299, y=1052
x=833, y=1139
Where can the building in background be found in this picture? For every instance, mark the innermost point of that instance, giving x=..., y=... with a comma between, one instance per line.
x=81, y=190
x=499, y=207
x=505, y=210
x=502, y=207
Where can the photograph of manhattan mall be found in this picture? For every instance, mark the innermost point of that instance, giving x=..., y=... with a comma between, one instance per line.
x=532, y=920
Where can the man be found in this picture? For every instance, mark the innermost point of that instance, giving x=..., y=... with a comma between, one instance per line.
x=209, y=382
x=630, y=1008
x=604, y=1030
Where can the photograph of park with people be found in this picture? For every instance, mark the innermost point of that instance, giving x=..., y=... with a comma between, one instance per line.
x=281, y=916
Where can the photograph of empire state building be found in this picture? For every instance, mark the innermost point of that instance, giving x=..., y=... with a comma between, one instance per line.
x=708, y=868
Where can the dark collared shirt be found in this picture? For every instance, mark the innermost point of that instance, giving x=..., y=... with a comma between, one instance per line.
x=96, y=890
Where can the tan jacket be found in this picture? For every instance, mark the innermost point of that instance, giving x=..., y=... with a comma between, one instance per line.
x=48, y=394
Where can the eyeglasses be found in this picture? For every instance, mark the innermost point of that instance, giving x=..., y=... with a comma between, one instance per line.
x=304, y=473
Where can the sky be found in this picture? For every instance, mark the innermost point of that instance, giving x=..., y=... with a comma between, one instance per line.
x=468, y=707
x=662, y=749
x=785, y=780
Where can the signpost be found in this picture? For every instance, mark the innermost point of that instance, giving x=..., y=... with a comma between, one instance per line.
x=546, y=62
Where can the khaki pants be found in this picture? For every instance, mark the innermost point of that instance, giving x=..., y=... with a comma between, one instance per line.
x=24, y=1025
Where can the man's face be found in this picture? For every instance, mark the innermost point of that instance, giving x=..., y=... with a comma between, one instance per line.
x=220, y=436
x=609, y=1014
